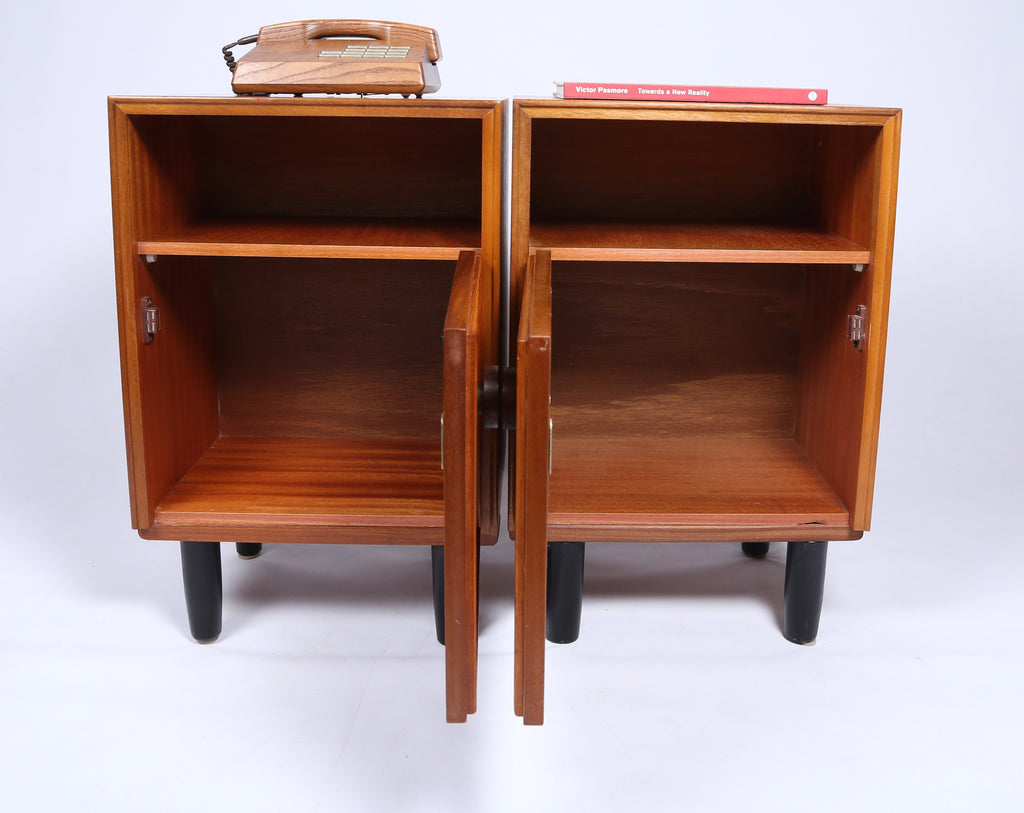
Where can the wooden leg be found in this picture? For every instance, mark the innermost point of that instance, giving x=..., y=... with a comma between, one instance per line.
x=804, y=590
x=437, y=582
x=756, y=550
x=248, y=550
x=200, y=567
x=564, y=591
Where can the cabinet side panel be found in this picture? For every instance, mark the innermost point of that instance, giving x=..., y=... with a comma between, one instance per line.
x=831, y=381
x=165, y=174
x=840, y=383
x=121, y=153
x=176, y=371
x=151, y=170
x=882, y=250
x=491, y=230
x=519, y=249
x=519, y=253
x=847, y=180
x=491, y=245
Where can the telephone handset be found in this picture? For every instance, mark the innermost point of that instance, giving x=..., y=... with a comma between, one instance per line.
x=338, y=56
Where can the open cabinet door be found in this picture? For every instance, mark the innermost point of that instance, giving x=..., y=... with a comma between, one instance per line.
x=463, y=372
x=533, y=454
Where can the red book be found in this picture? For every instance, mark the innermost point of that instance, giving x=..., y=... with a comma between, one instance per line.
x=689, y=93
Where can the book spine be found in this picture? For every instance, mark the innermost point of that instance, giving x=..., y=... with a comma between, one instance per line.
x=690, y=93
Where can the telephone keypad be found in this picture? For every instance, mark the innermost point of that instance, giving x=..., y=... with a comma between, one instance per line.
x=368, y=52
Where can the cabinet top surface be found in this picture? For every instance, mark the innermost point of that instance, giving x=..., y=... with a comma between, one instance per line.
x=295, y=106
x=543, y=107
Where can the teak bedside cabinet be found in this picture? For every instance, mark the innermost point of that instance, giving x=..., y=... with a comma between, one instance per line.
x=701, y=294
x=304, y=286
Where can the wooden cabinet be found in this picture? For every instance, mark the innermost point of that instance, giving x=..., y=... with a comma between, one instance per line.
x=304, y=287
x=701, y=296
x=698, y=299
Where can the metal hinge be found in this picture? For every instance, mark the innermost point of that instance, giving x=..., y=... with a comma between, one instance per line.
x=150, y=319
x=857, y=327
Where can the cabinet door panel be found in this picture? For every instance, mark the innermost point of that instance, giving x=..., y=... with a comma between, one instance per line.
x=533, y=439
x=463, y=371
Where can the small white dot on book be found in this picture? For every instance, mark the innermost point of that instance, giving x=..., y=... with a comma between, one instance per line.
x=812, y=95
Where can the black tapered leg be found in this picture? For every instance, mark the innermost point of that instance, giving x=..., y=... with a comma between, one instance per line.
x=565, y=591
x=756, y=550
x=248, y=550
x=437, y=573
x=804, y=590
x=204, y=593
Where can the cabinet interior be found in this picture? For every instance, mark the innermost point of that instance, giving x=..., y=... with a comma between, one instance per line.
x=301, y=258
x=317, y=180
x=300, y=387
x=685, y=391
x=747, y=191
x=703, y=273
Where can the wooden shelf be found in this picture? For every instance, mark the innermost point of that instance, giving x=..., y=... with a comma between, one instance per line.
x=692, y=242
x=307, y=486
x=396, y=238
x=678, y=489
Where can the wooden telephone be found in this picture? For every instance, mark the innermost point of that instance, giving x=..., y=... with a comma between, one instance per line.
x=338, y=56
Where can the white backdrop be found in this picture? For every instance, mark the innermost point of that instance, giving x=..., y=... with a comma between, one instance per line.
x=325, y=691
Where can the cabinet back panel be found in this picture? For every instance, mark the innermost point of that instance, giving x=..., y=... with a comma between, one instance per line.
x=673, y=350
x=224, y=167
x=330, y=348
x=672, y=171
x=322, y=167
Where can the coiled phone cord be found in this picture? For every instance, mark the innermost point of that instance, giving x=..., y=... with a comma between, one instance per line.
x=230, y=57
